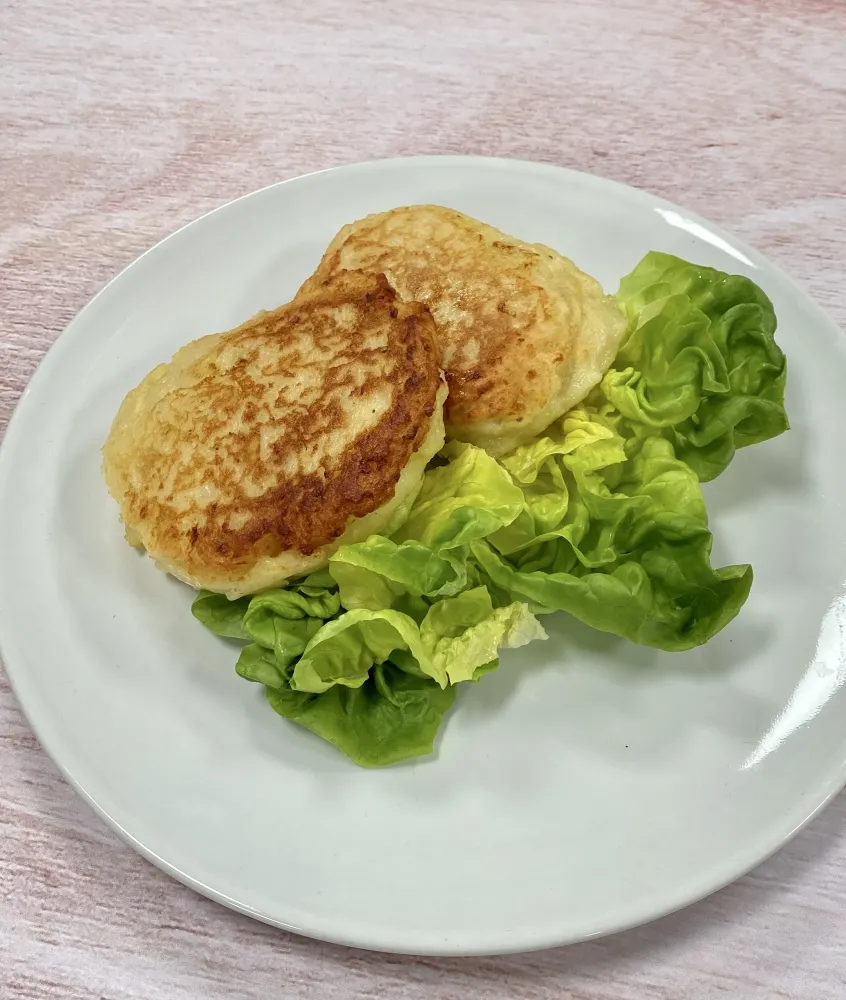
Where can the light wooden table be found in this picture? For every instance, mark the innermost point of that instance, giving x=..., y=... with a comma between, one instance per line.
x=122, y=119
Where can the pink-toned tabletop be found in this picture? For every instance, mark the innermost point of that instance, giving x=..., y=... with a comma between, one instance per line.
x=120, y=120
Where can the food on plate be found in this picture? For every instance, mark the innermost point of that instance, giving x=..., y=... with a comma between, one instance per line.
x=600, y=515
x=254, y=454
x=296, y=470
x=700, y=365
x=524, y=335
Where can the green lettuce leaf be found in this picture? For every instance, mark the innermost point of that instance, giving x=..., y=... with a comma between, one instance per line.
x=343, y=651
x=462, y=501
x=376, y=684
x=463, y=634
x=374, y=573
x=391, y=717
x=314, y=596
x=614, y=532
x=220, y=615
x=458, y=636
x=269, y=617
x=700, y=365
x=427, y=558
x=286, y=620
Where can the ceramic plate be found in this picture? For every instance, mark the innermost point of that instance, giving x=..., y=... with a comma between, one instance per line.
x=586, y=786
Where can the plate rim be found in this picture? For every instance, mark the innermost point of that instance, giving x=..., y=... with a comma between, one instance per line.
x=735, y=866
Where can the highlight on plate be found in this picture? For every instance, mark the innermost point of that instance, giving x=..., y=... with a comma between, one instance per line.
x=447, y=434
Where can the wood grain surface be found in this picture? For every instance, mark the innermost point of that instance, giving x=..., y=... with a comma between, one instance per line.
x=122, y=119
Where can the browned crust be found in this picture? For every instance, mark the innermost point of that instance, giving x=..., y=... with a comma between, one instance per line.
x=304, y=510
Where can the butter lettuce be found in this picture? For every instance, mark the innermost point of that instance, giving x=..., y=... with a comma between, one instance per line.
x=456, y=637
x=376, y=573
x=282, y=620
x=461, y=636
x=461, y=502
x=614, y=532
x=402, y=668
x=700, y=365
x=220, y=615
x=376, y=685
x=391, y=717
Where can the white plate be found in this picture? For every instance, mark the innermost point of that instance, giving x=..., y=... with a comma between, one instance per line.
x=586, y=786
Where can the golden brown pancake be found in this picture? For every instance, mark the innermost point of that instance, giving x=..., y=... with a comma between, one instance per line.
x=524, y=335
x=253, y=454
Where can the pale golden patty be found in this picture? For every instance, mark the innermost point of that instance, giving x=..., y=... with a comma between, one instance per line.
x=523, y=334
x=253, y=454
